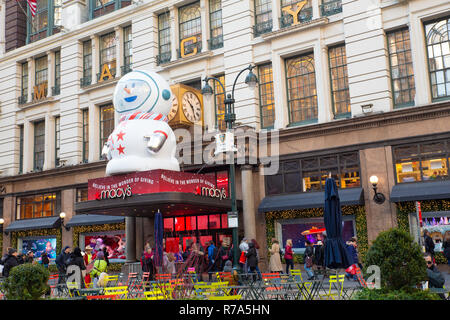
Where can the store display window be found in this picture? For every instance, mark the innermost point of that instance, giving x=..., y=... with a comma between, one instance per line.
x=39, y=245
x=114, y=242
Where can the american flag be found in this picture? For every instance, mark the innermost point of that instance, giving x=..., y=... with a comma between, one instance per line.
x=33, y=5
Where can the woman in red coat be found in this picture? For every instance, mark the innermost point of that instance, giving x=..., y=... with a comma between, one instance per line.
x=288, y=255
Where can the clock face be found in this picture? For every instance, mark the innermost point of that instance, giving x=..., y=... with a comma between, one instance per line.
x=192, y=107
x=173, y=109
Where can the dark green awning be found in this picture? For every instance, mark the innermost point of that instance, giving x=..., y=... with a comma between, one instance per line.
x=34, y=224
x=306, y=200
x=416, y=191
x=93, y=219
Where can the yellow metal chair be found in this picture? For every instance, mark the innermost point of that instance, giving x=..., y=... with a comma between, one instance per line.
x=296, y=274
x=73, y=288
x=111, y=281
x=234, y=297
x=120, y=292
x=154, y=294
x=336, y=283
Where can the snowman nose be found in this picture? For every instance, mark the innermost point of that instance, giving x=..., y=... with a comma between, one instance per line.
x=127, y=90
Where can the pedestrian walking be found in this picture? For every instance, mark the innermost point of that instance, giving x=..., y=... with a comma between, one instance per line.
x=169, y=263
x=319, y=255
x=429, y=243
x=76, y=259
x=351, y=249
x=252, y=258
x=257, y=255
x=275, y=258
x=106, y=254
x=147, y=262
x=213, y=253
x=29, y=258
x=89, y=259
x=61, y=263
x=435, y=277
x=446, y=247
x=44, y=260
x=100, y=266
x=308, y=258
x=289, y=255
x=243, y=248
x=224, y=255
x=11, y=261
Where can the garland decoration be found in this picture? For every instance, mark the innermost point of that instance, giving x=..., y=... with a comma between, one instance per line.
x=357, y=211
x=407, y=207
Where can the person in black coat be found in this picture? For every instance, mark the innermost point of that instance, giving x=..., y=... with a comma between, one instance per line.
x=435, y=277
x=76, y=259
x=61, y=264
x=252, y=258
x=429, y=243
x=11, y=261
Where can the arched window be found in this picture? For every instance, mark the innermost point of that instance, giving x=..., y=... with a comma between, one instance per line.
x=438, y=45
x=190, y=27
x=301, y=86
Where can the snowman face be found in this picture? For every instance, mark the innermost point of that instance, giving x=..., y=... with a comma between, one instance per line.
x=131, y=95
x=144, y=91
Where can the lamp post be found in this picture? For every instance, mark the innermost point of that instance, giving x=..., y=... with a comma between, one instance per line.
x=230, y=117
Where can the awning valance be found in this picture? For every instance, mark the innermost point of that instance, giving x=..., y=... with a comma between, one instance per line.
x=306, y=200
x=34, y=224
x=93, y=219
x=416, y=191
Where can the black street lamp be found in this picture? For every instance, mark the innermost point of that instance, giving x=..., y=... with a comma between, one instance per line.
x=230, y=117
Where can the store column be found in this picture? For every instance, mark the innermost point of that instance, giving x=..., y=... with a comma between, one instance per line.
x=139, y=237
x=130, y=230
x=248, y=201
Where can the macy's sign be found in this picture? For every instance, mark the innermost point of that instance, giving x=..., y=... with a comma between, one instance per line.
x=114, y=193
x=211, y=192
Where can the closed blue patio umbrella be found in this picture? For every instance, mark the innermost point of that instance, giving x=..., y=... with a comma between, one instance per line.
x=158, y=229
x=336, y=255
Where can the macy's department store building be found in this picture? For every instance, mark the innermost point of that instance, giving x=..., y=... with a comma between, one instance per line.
x=408, y=150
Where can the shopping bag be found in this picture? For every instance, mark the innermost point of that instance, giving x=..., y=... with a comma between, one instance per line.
x=352, y=269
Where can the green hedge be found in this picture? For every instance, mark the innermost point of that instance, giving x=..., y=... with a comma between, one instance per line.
x=381, y=294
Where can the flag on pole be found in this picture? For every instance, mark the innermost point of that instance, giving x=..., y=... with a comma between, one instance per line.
x=32, y=4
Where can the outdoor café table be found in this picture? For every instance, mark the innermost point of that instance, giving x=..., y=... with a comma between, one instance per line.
x=254, y=285
x=308, y=290
x=244, y=291
x=287, y=290
x=89, y=291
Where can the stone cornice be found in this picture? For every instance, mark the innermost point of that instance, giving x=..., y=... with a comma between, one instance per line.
x=291, y=29
x=413, y=114
x=37, y=103
x=75, y=169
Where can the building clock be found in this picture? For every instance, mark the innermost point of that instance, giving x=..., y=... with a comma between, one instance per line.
x=192, y=107
x=174, y=108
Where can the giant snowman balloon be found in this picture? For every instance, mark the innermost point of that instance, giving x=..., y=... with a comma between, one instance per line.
x=142, y=140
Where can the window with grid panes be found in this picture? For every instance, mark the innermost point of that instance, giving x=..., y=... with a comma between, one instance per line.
x=266, y=98
x=425, y=161
x=339, y=81
x=98, y=8
x=402, y=73
x=127, y=50
x=47, y=20
x=438, y=45
x=263, y=17
x=57, y=140
x=301, y=86
x=39, y=145
x=108, y=52
x=219, y=100
x=87, y=63
x=165, y=54
x=330, y=7
x=20, y=149
x=36, y=206
x=56, y=88
x=190, y=27
x=304, y=15
x=82, y=194
x=106, y=123
x=85, y=135
x=310, y=174
x=24, y=82
x=41, y=72
x=215, y=22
